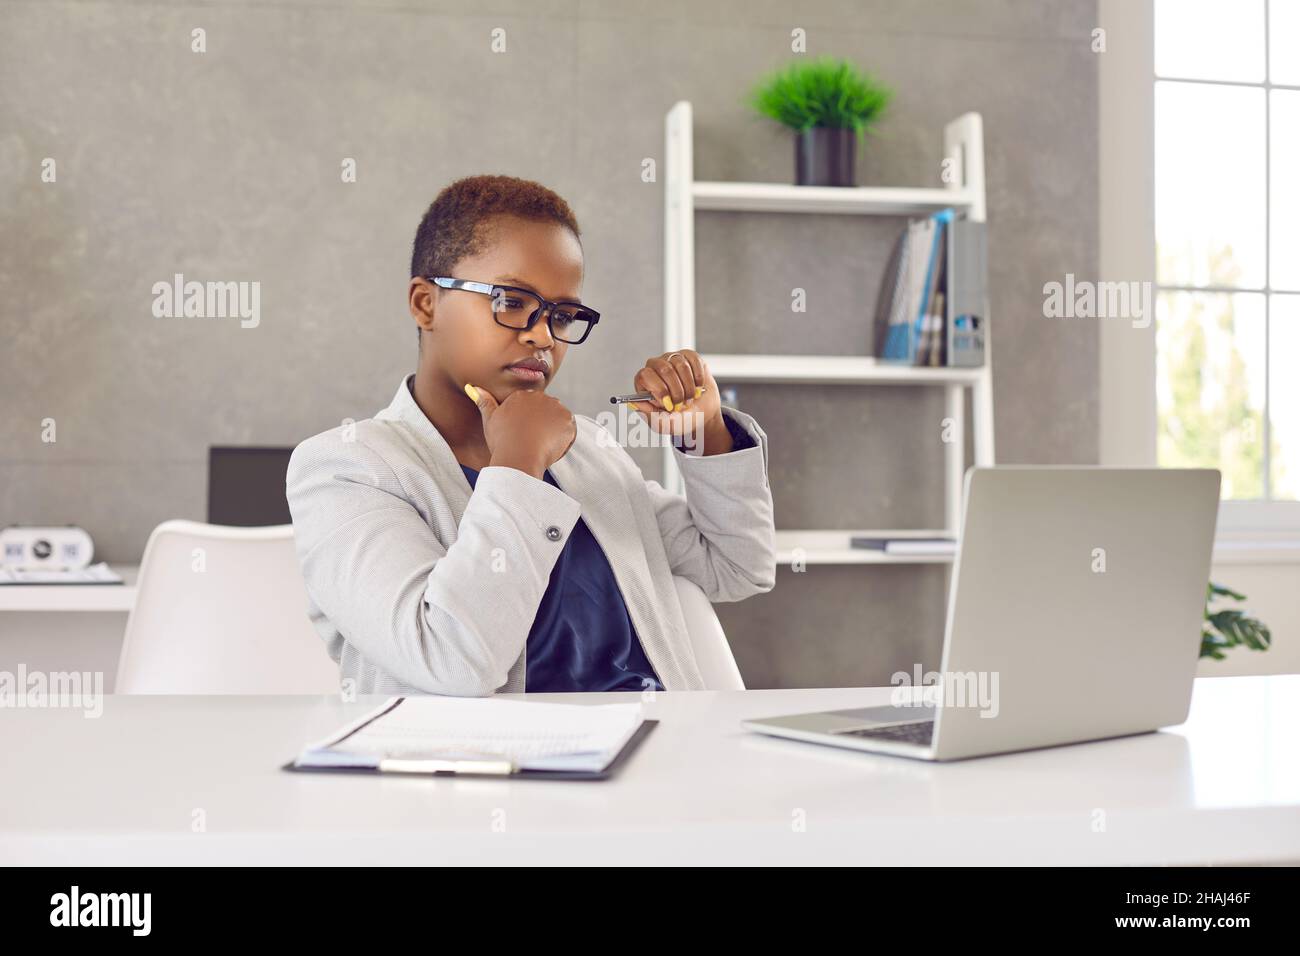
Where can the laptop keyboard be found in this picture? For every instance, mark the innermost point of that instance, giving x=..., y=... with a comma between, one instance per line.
x=917, y=733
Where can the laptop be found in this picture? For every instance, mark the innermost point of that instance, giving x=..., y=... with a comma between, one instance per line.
x=1074, y=615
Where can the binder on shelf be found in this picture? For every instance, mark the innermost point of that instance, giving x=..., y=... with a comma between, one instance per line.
x=929, y=319
x=967, y=288
x=888, y=302
x=932, y=303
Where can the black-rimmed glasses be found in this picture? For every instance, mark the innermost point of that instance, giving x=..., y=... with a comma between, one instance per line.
x=519, y=309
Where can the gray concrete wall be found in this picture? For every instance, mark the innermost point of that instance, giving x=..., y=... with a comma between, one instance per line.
x=225, y=166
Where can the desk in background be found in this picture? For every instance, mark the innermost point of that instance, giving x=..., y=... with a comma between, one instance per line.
x=105, y=598
x=66, y=627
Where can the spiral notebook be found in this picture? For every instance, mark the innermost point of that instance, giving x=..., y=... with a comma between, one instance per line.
x=481, y=736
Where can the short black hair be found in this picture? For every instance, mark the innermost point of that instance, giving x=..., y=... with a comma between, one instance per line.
x=452, y=227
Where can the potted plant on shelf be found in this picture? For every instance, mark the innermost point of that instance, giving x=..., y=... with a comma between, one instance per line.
x=1230, y=627
x=830, y=104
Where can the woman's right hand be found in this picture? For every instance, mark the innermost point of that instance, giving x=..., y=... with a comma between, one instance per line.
x=529, y=431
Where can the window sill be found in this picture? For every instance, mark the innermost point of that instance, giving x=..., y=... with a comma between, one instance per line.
x=1257, y=548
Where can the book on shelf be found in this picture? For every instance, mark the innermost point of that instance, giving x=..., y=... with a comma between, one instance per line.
x=913, y=546
x=931, y=308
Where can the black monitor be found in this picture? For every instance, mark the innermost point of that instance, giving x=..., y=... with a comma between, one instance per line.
x=246, y=486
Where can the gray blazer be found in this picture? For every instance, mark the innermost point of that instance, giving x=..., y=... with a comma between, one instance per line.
x=418, y=585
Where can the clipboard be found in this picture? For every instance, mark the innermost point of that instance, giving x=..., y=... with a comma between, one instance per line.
x=466, y=768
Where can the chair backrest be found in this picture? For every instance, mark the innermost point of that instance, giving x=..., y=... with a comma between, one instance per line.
x=712, y=652
x=222, y=610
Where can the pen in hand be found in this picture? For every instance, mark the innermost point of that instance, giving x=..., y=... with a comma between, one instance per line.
x=646, y=396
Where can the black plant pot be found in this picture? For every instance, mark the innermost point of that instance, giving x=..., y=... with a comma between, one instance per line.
x=823, y=156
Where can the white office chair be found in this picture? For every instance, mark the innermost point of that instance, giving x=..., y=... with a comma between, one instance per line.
x=222, y=610
x=712, y=652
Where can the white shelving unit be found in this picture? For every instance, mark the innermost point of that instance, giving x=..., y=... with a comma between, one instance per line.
x=963, y=141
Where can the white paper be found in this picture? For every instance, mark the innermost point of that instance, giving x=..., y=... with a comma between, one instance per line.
x=95, y=574
x=534, y=736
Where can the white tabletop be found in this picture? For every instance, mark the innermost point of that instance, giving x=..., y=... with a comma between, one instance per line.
x=197, y=780
x=73, y=597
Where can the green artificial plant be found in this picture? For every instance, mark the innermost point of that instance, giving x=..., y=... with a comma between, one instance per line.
x=1230, y=627
x=822, y=92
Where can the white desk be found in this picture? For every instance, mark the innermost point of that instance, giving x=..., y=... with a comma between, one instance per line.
x=73, y=597
x=66, y=627
x=125, y=788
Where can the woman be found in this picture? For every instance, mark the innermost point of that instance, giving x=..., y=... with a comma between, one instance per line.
x=475, y=536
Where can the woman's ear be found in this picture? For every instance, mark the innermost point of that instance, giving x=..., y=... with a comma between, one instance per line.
x=421, y=299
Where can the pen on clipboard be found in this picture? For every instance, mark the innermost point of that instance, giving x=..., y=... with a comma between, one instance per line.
x=646, y=397
x=405, y=765
x=451, y=761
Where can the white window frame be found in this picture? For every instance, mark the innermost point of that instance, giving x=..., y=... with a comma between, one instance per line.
x=1126, y=166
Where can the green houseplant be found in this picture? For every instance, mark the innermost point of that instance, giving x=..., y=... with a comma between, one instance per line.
x=830, y=104
x=1230, y=627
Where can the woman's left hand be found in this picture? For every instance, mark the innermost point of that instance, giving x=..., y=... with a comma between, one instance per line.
x=677, y=376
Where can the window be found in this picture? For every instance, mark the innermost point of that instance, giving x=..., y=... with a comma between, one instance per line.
x=1227, y=224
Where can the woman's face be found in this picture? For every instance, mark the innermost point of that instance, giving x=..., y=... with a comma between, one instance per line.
x=461, y=334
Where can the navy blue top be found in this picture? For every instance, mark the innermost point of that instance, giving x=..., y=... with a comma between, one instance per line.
x=582, y=638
